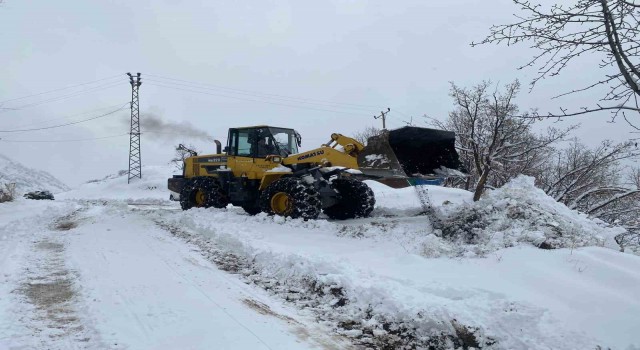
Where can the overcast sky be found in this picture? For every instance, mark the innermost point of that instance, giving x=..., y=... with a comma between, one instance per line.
x=315, y=66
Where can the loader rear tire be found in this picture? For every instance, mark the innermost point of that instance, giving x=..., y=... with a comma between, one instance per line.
x=203, y=192
x=356, y=200
x=292, y=197
x=251, y=210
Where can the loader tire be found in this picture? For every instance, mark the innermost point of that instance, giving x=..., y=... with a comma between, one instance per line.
x=356, y=200
x=203, y=192
x=292, y=197
x=251, y=209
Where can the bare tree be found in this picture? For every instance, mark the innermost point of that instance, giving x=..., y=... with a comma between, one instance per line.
x=365, y=134
x=182, y=152
x=494, y=145
x=589, y=179
x=608, y=29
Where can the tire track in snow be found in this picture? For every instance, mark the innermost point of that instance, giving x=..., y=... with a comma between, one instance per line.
x=47, y=291
x=304, y=333
x=325, y=296
x=206, y=295
x=149, y=290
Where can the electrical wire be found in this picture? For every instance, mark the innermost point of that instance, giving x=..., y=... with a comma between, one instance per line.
x=67, y=124
x=76, y=140
x=252, y=100
x=262, y=94
x=64, y=97
x=267, y=96
x=60, y=89
x=69, y=116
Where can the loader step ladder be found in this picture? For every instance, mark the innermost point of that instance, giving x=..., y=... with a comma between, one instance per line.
x=427, y=208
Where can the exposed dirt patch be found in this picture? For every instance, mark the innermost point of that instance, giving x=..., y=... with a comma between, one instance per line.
x=50, y=246
x=49, y=288
x=69, y=221
x=49, y=296
x=266, y=310
x=65, y=225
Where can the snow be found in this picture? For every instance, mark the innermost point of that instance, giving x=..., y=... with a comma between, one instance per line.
x=146, y=275
x=346, y=170
x=116, y=280
x=524, y=297
x=372, y=159
x=28, y=179
x=152, y=188
x=279, y=169
x=519, y=213
x=155, y=286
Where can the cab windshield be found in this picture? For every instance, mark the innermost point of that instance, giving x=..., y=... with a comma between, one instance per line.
x=285, y=140
x=262, y=142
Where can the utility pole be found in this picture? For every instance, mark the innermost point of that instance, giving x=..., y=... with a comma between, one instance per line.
x=383, y=115
x=135, y=162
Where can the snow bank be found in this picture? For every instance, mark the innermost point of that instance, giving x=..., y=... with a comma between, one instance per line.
x=378, y=293
x=520, y=213
x=28, y=179
x=151, y=189
x=367, y=313
x=404, y=201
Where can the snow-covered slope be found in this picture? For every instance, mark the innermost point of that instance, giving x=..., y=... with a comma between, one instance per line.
x=152, y=188
x=28, y=179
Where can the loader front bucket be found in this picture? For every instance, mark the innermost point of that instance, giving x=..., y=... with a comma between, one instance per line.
x=398, y=158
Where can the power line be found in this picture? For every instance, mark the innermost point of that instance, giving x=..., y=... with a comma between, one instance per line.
x=76, y=140
x=401, y=123
x=67, y=124
x=64, y=97
x=252, y=100
x=60, y=89
x=69, y=116
x=261, y=93
x=268, y=96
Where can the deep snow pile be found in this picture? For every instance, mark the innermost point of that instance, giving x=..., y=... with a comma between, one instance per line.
x=518, y=213
x=405, y=201
x=152, y=188
x=28, y=179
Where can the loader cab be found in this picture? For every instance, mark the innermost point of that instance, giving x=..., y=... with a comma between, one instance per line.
x=261, y=141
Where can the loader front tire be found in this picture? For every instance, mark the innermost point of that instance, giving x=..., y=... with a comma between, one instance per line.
x=356, y=200
x=203, y=192
x=292, y=197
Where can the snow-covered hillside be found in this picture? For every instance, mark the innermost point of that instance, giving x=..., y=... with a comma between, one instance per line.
x=28, y=179
x=144, y=274
x=151, y=188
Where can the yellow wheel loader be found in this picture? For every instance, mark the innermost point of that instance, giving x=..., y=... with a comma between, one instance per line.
x=261, y=170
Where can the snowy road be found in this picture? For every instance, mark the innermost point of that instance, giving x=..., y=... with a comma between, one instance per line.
x=108, y=280
x=117, y=266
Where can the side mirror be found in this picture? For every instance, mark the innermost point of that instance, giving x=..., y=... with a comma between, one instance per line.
x=298, y=139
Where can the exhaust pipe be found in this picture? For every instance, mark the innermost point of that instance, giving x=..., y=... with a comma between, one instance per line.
x=218, y=147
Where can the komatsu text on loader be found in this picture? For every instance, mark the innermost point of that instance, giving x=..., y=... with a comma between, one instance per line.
x=261, y=170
